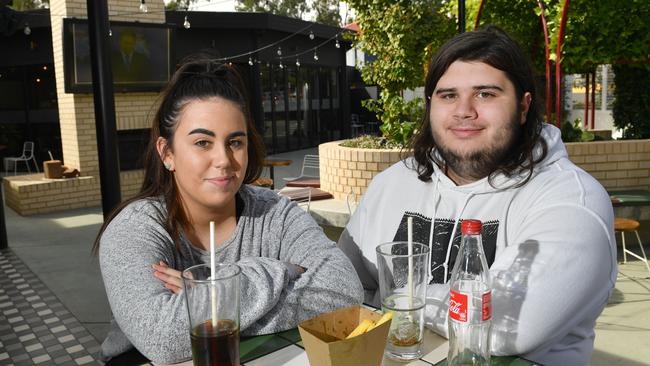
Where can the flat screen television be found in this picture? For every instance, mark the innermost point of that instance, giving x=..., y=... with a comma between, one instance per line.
x=140, y=56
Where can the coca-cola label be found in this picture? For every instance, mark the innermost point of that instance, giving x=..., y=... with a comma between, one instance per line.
x=486, y=306
x=458, y=306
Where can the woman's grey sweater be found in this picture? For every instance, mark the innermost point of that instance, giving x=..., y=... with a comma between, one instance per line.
x=271, y=232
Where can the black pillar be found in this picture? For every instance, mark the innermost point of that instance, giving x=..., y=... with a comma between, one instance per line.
x=461, y=16
x=109, y=169
x=3, y=227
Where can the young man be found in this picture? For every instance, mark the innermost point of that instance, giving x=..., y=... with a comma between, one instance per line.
x=483, y=152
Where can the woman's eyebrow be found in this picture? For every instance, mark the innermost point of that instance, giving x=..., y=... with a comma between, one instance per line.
x=202, y=131
x=236, y=134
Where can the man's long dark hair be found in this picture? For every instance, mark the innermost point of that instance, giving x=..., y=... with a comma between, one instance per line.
x=198, y=78
x=493, y=47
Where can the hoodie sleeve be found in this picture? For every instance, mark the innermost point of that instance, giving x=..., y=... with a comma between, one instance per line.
x=554, y=278
x=275, y=297
x=551, y=280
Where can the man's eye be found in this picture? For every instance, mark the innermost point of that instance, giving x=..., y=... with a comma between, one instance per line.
x=447, y=96
x=484, y=95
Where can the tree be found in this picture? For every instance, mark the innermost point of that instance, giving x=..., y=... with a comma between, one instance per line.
x=327, y=12
x=632, y=100
x=402, y=35
x=22, y=5
x=176, y=5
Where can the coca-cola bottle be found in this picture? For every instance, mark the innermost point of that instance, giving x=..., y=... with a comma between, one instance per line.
x=470, y=302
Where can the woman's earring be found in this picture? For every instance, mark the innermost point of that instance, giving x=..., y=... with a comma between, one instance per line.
x=168, y=166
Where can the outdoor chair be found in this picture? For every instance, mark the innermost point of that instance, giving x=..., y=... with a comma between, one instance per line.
x=28, y=154
x=355, y=125
x=309, y=175
x=628, y=225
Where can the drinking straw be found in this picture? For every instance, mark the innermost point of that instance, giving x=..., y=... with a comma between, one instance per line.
x=409, y=223
x=51, y=157
x=213, y=291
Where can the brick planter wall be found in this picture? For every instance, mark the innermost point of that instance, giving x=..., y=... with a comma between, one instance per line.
x=33, y=194
x=345, y=170
x=616, y=165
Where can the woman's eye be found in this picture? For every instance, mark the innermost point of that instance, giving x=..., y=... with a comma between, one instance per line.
x=202, y=143
x=236, y=143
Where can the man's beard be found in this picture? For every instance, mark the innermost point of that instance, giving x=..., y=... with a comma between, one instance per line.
x=479, y=164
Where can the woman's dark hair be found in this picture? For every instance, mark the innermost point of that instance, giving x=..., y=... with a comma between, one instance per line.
x=198, y=78
x=493, y=47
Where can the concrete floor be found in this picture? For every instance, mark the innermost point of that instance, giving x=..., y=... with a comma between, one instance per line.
x=56, y=247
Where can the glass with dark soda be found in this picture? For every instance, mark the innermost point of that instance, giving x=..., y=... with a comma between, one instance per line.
x=213, y=309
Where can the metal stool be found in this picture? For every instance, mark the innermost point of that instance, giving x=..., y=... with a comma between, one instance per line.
x=626, y=225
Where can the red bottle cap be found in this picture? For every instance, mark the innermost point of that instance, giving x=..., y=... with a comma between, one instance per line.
x=471, y=227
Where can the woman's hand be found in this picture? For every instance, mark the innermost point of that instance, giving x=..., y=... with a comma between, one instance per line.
x=170, y=277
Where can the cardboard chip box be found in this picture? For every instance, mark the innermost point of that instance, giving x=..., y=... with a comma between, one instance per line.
x=325, y=343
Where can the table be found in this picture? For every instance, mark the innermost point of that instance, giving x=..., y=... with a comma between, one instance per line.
x=272, y=163
x=299, y=194
x=631, y=203
x=635, y=197
x=286, y=349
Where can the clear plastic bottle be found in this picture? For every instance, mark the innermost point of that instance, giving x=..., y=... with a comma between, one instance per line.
x=470, y=301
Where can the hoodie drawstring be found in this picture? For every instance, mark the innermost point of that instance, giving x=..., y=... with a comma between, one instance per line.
x=453, y=233
x=436, y=200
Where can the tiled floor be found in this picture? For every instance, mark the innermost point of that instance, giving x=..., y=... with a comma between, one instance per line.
x=35, y=327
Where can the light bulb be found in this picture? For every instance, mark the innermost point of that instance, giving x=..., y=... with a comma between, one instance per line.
x=281, y=65
x=186, y=23
x=27, y=30
x=311, y=35
x=143, y=7
x=337, y=44
x=315, y=56
x=279, y=51
x=250, y=61
x=297, y=63
x=110, y=32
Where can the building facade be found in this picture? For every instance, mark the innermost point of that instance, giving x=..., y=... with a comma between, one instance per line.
x=295, y=72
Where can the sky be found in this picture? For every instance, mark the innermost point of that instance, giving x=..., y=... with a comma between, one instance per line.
x=229, y=5
x=213, y=5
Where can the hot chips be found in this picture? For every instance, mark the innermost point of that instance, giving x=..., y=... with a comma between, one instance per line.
x=367, y=325
x=384, y=318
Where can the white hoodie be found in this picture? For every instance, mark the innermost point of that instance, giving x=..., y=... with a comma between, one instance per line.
x=550, y=246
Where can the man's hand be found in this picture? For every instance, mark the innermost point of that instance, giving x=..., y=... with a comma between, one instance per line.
x=170, y=277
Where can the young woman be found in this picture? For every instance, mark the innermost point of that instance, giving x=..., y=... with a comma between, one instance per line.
x=202, y=153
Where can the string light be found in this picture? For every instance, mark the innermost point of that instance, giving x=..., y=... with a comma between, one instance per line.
x=311, y=35
x=315, y=56
x=297, y=62
x=186, y=23
x=27, y=29
x=110, y=32
x=281, y=65
x=250, y=61
x=143, y=7
x=337, y=44
x=279, y=52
